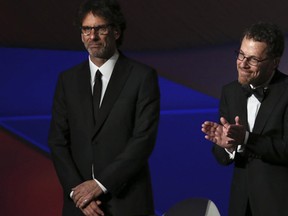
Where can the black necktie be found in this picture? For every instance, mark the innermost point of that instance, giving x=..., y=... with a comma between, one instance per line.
x=259, y=93
x=97, y=89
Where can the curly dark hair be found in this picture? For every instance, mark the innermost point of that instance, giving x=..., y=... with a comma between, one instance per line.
x=108, y=9
x=268, y=33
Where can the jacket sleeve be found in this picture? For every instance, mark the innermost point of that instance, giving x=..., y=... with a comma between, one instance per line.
x=59, y=141
x=220, y=154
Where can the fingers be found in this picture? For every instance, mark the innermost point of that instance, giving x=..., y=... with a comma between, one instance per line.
x=93, y=209
x=206, y=124
x=84, y=193
x=224, y=122
x=83, y=201
x=78, y=198
x=208, y=127
x=225, y=135
x=211, y=138
x=237, y=120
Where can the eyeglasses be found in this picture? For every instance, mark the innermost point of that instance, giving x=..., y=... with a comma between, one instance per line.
x=251, y=60
x=101, y=29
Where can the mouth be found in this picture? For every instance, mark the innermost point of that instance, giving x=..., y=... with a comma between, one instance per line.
x=244, y=72
x=244, y=76
x=95, y=45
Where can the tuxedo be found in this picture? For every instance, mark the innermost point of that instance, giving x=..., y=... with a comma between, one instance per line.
x=260, y=175
x=118, y=144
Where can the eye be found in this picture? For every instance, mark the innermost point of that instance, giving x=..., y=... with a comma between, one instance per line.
x=241, y=55
x=253, y=60
x=86, y=28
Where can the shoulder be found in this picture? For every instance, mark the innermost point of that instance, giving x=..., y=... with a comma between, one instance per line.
x=232, y=85
x=76, y=69
x=134, y=65
x=232, y=90
x=72, y=75
x=279, y=77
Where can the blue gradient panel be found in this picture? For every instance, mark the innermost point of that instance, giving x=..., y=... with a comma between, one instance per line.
x=28, y=78
x=182, y=165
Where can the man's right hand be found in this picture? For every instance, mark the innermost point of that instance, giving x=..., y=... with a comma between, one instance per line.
x=93, y=209
x=217, y=133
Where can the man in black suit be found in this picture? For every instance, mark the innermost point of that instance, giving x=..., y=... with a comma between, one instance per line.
x=253, y=132
x=100, y=146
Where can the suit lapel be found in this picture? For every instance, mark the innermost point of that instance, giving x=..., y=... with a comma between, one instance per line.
x=85, y=92
x=241, y=106
x=243, y=111
x=118, y=78
x=275, y=91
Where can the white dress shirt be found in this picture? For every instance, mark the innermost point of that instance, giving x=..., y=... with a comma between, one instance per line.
x=106, y=71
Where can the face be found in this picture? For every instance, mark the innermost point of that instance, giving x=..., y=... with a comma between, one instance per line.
x=250, y=74
x=100, y=47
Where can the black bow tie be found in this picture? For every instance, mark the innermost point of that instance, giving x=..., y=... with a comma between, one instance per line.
x=259, y=93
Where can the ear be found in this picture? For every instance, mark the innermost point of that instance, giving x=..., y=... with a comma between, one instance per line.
x=82, y=38
x=117, y=33
x=276, y=62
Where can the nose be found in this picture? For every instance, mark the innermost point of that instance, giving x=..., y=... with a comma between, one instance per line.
x=94, y=34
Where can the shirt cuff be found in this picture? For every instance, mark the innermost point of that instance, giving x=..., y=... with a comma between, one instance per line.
x=231, y=154
x=240, y=148
x=246, y=138
x=101, y=186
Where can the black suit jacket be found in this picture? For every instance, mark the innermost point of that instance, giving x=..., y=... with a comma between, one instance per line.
x=261, y=172
x=120, y=143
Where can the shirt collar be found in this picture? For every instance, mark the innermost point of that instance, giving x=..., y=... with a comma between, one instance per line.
x=106, y=69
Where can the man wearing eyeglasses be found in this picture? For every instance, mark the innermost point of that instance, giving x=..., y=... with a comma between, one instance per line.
x=253, y=128
x=104, y=122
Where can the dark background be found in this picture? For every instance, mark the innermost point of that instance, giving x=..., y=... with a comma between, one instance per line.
x=190, y=43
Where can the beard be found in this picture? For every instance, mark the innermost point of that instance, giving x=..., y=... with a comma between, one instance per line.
x=246, y=76
x=244, y=80
x=100, y=49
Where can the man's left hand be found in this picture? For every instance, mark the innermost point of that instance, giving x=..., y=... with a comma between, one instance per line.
x=236, y=132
